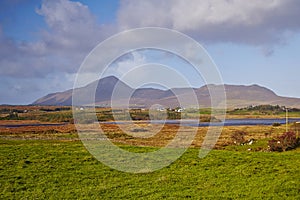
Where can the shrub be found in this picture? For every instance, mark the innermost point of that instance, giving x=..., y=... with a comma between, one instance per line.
x=238, y=137
x=276, y=124
x=139, y=130
x=11, y=116
x=284, y=142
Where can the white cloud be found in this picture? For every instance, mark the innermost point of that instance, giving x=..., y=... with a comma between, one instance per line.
x=253, y=22
x=73, y=30
x=72, y=27
x=71, y=34
x=126, y=65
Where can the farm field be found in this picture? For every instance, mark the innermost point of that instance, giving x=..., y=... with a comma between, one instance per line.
x=48, y=161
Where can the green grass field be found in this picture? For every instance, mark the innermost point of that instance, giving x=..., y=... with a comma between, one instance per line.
x=45, y=169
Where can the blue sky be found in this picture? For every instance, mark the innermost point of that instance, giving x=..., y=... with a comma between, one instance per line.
x=43, y=43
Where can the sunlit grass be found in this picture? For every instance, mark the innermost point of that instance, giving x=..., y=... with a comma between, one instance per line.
x=65, y=170
x=49, y=162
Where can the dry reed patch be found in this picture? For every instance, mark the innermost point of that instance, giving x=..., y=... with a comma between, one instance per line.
x=41, y=131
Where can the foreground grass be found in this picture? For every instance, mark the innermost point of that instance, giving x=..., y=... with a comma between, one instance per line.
x=35, y=169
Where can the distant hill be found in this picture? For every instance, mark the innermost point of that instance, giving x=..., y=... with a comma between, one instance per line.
x=237, y=95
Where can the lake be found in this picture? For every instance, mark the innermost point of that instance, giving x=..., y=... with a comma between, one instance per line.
x=194, y=123
x=227, y=122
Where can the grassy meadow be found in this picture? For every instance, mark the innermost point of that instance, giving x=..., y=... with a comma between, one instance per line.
x=39, y=169
x=50, y=162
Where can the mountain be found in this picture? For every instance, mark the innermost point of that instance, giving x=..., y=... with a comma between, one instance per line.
x=237, y=95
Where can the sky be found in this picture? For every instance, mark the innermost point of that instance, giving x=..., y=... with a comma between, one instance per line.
x=44, y=43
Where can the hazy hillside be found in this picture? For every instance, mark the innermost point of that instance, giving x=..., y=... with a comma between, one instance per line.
x=237, y=95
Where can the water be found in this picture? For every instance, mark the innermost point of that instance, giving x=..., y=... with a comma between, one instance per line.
x=244, y=122
x=194, y=123
x=227, y=122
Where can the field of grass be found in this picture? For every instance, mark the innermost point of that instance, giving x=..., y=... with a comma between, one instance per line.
x=50, y=162
x=54, y=169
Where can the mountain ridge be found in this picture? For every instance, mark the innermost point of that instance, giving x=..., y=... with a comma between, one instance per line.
x=237, y=95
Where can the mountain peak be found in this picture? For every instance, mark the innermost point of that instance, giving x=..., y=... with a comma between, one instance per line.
x=237, y=95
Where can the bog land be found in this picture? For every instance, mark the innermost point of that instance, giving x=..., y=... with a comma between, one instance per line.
x=45, y=159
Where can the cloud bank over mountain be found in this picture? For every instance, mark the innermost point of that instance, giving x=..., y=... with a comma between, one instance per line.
x=71, y=30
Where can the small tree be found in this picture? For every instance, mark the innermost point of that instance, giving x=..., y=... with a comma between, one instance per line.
x=284, y=142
